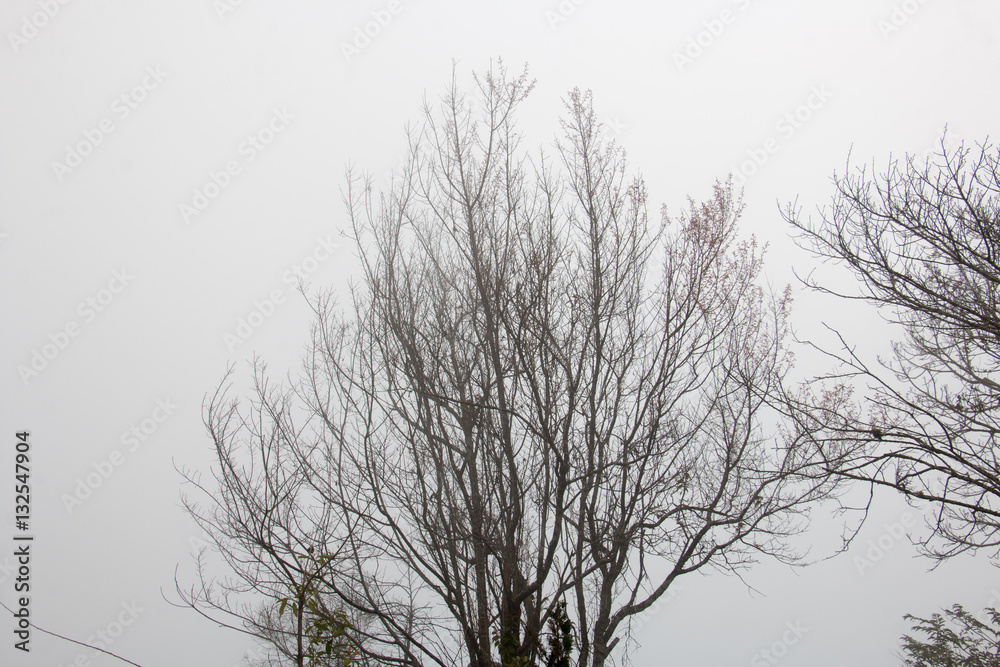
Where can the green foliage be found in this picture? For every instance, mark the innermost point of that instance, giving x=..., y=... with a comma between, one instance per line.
x=325, y=631
x=560, y=642
x=561, y=639
x=507, y=645
x=957, y=639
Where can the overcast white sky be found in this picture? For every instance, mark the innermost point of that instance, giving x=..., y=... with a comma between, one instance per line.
x=153, y=97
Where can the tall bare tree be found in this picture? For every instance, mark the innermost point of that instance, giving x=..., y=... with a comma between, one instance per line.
x=542, y=397
x=923, y=241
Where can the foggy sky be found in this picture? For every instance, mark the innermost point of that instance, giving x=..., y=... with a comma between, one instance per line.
x=170, y=169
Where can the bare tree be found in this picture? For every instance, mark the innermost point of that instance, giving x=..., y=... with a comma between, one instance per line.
x=264, y=519
x=524, y=410
x=923, y=240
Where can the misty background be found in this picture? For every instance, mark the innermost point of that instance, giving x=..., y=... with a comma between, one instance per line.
x=170, y=169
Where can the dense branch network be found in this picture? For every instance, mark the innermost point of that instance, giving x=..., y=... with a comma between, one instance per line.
x=541, y=410
x=923, y=240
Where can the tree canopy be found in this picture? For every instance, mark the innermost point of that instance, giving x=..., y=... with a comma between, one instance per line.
x=538, y=409
x=956, y=639
x=923, y=242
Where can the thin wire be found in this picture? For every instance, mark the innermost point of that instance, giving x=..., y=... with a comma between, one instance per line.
x=48, y=632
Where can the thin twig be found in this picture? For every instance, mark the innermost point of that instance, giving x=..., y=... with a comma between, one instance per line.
x=54, y=634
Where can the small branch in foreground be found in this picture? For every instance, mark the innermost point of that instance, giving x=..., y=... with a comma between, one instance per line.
x=74, y=641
